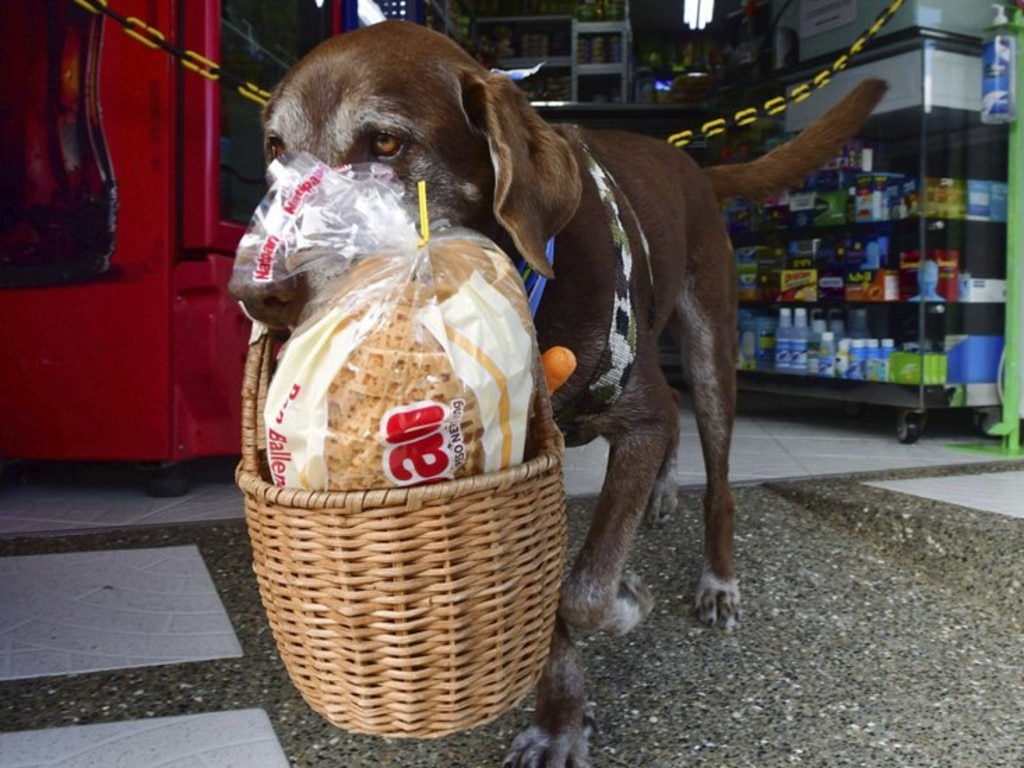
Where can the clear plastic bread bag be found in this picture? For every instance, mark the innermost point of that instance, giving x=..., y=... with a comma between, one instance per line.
x=415, y=361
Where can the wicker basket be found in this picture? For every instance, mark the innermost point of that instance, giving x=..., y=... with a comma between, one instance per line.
x=411, y=612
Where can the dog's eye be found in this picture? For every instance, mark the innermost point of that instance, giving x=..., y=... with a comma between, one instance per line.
x=385, y=145
x=275, y=147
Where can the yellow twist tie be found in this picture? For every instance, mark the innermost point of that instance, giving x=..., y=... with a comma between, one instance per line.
x=421, y=191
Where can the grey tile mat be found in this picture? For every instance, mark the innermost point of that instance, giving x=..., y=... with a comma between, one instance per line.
x=1001, y=492
x=879, y=631
x=241, y=739
x=73, y=612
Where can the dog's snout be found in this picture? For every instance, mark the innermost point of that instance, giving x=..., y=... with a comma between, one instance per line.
x=277, y=304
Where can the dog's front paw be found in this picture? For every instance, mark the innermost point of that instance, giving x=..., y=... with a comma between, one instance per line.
x=537, y=748
x=585, y=607
x=632, y=605
x=718, y=601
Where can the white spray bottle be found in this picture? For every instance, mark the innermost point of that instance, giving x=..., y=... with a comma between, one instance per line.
x=999, y=71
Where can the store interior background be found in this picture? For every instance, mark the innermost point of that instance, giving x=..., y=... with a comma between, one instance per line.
x=882, y=622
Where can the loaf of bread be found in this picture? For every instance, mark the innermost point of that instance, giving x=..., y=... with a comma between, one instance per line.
x=419, y=368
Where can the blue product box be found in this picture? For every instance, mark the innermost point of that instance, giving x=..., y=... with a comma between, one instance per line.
x=998, y=201
x=986, y=200
x=973, y=359
x=740, y=217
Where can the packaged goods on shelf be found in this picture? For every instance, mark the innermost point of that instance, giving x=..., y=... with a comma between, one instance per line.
x=938, y=279
x=944, y=198
x=987, y=200
x=746, y=272
x=973, y=358
x=877, y=196
x=798, y=285
x=981, y=290
x=927, y=368
x=871, y=285
x=740, y=216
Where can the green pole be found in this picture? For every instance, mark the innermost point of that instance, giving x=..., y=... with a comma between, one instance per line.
x=1009, y=427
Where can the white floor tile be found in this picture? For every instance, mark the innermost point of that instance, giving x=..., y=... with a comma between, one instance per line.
x=34, y=510
x=1000, y=492
x=238, y=739
x=90, y=611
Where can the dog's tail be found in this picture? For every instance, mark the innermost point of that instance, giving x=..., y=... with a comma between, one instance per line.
x=789, y=165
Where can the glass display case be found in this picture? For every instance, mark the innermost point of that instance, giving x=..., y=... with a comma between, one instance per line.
x=898, y=249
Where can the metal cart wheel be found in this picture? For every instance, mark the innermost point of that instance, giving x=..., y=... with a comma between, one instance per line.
x=909, y=426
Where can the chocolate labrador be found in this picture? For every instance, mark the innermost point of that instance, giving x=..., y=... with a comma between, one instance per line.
x=639, y=248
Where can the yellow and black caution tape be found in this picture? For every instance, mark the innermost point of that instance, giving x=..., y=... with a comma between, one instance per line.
x=153, y=38
x=798, y=93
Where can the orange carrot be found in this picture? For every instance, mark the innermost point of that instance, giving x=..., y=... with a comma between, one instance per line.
x=558, y=363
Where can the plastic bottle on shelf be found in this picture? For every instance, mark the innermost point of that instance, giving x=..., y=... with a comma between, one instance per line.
x=784, y=341
x=814, y=345
x=887, y=348
x=836, y=324
x=999, y=69
x=799, y=341
x=747, y=352
x=858, y=359
x=827, y=355
x=872, y=358
x=858, y=325
x=843, y=358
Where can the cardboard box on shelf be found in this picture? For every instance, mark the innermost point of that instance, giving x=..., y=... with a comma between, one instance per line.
x=973, y=359
x=871, y=285
x=798, y=285
x=917, y=368
x=981, y=290
x=986, y=200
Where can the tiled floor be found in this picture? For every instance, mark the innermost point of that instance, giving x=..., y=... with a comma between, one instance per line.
x=243, y=738
x=78, y=613
x=91, y=611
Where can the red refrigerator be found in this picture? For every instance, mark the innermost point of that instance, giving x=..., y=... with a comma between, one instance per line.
x=127, y=181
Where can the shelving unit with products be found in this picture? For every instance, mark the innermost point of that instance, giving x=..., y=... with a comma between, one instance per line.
x=524, y=41
x=903, y=239
x=584, y=47
x=601, y=53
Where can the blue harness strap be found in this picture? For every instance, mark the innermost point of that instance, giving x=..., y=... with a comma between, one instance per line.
x=534, y=281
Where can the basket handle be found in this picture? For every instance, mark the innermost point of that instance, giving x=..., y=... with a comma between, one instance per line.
x=254, y=395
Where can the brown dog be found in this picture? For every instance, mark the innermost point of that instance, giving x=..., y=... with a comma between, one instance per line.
x=639, y=247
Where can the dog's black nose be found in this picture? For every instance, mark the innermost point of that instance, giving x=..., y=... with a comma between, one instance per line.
x=277, y=304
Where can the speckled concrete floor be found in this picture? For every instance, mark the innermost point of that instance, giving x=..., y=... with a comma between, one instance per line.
x=879, y=630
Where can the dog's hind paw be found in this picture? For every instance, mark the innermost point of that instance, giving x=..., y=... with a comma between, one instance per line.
x=536, y=748
x=662, y=505
x=718, y=601
x=664, y=501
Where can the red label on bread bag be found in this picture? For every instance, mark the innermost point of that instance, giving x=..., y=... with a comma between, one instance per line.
x=423, y=442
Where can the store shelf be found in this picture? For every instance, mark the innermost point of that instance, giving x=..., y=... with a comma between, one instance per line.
x=927, y=161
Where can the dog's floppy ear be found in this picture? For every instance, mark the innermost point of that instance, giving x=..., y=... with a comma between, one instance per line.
x=536, y=179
